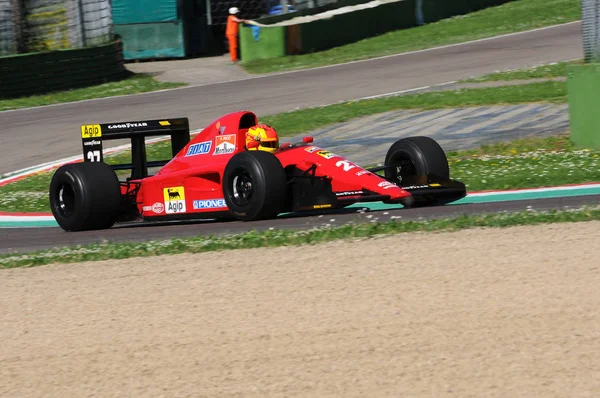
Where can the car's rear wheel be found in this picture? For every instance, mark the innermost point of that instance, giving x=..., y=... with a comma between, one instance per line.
x=254, y=185
x=85, y=196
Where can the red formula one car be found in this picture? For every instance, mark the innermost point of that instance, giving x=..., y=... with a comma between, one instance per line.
x=236, y=169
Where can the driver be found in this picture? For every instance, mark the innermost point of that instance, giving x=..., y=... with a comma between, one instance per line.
x=265, y=135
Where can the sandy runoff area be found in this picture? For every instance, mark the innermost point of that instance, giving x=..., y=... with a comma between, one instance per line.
x=486, y=312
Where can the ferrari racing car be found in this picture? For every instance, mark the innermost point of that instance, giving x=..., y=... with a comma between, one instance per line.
x=235, y=169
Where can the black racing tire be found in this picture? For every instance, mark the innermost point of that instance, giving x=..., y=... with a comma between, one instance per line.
x=254, y=186
x=85, y=196
x=415, y=159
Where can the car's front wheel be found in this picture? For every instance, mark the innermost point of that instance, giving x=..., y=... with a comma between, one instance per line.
x=417, y=161
x=85, y=196
x=254, y=185
x=410, y=160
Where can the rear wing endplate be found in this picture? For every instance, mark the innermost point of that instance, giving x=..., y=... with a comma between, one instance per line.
x=93, y=135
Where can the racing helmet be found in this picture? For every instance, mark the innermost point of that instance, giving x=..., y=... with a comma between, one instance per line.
x=266, y=137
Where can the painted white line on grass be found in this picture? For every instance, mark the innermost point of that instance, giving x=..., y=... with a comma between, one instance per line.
x=395, y=93
x=268, y=75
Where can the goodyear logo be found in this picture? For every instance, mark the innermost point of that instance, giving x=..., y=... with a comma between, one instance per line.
x=199, y=149
x=91, y=131
x=174, y=200
x=127, y=125
x=326, y=206
x=91, y=143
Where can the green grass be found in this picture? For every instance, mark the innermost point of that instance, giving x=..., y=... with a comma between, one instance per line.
x=273, y=238
x=527, y=170
x=516, y=16
x=132, y=85
x=549, y=71
x=559, y=143
x=27, y=195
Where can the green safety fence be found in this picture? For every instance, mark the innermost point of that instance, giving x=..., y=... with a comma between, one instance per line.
x=270, y=45
x=434, y=10
x=39, y=73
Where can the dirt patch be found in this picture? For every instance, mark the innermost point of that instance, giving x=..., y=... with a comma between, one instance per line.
x=494, y=312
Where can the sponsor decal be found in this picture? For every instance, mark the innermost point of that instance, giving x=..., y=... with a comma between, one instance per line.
x=326, y=154
x=326, y=206
x=224, y=144
x=127, y=125
x=346, y=165
x=91, y=143
x=209, y=204
x=201, y=148
x=362, y=172
x=156, y=208
x=91, y=131
x=159, y=207
x=174, y=200
x=349, y=193
x=311, y=149
x=164, y=123
x=421, y=186
x=387, y=185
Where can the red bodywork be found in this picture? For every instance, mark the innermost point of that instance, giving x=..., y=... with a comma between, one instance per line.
x=191, y=183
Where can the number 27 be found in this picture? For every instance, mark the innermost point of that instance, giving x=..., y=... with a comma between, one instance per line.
x=93, y=156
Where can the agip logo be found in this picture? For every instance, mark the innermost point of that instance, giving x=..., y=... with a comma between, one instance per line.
x=91, y=131
x=174, y=200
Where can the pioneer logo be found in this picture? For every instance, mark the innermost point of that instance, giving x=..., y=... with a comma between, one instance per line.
x=127, y=125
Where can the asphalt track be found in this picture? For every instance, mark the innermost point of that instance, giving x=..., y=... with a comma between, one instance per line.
x=39, y=135
x=30, y=239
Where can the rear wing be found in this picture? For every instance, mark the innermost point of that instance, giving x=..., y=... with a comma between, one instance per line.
x=93, y=135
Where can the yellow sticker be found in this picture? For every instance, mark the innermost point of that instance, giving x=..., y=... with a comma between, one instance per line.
x=174, y=193
x=165, y=123
x=174, y=200
x=435, y=185
x=326, y=154
x=91, y=131
x=322, y=206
